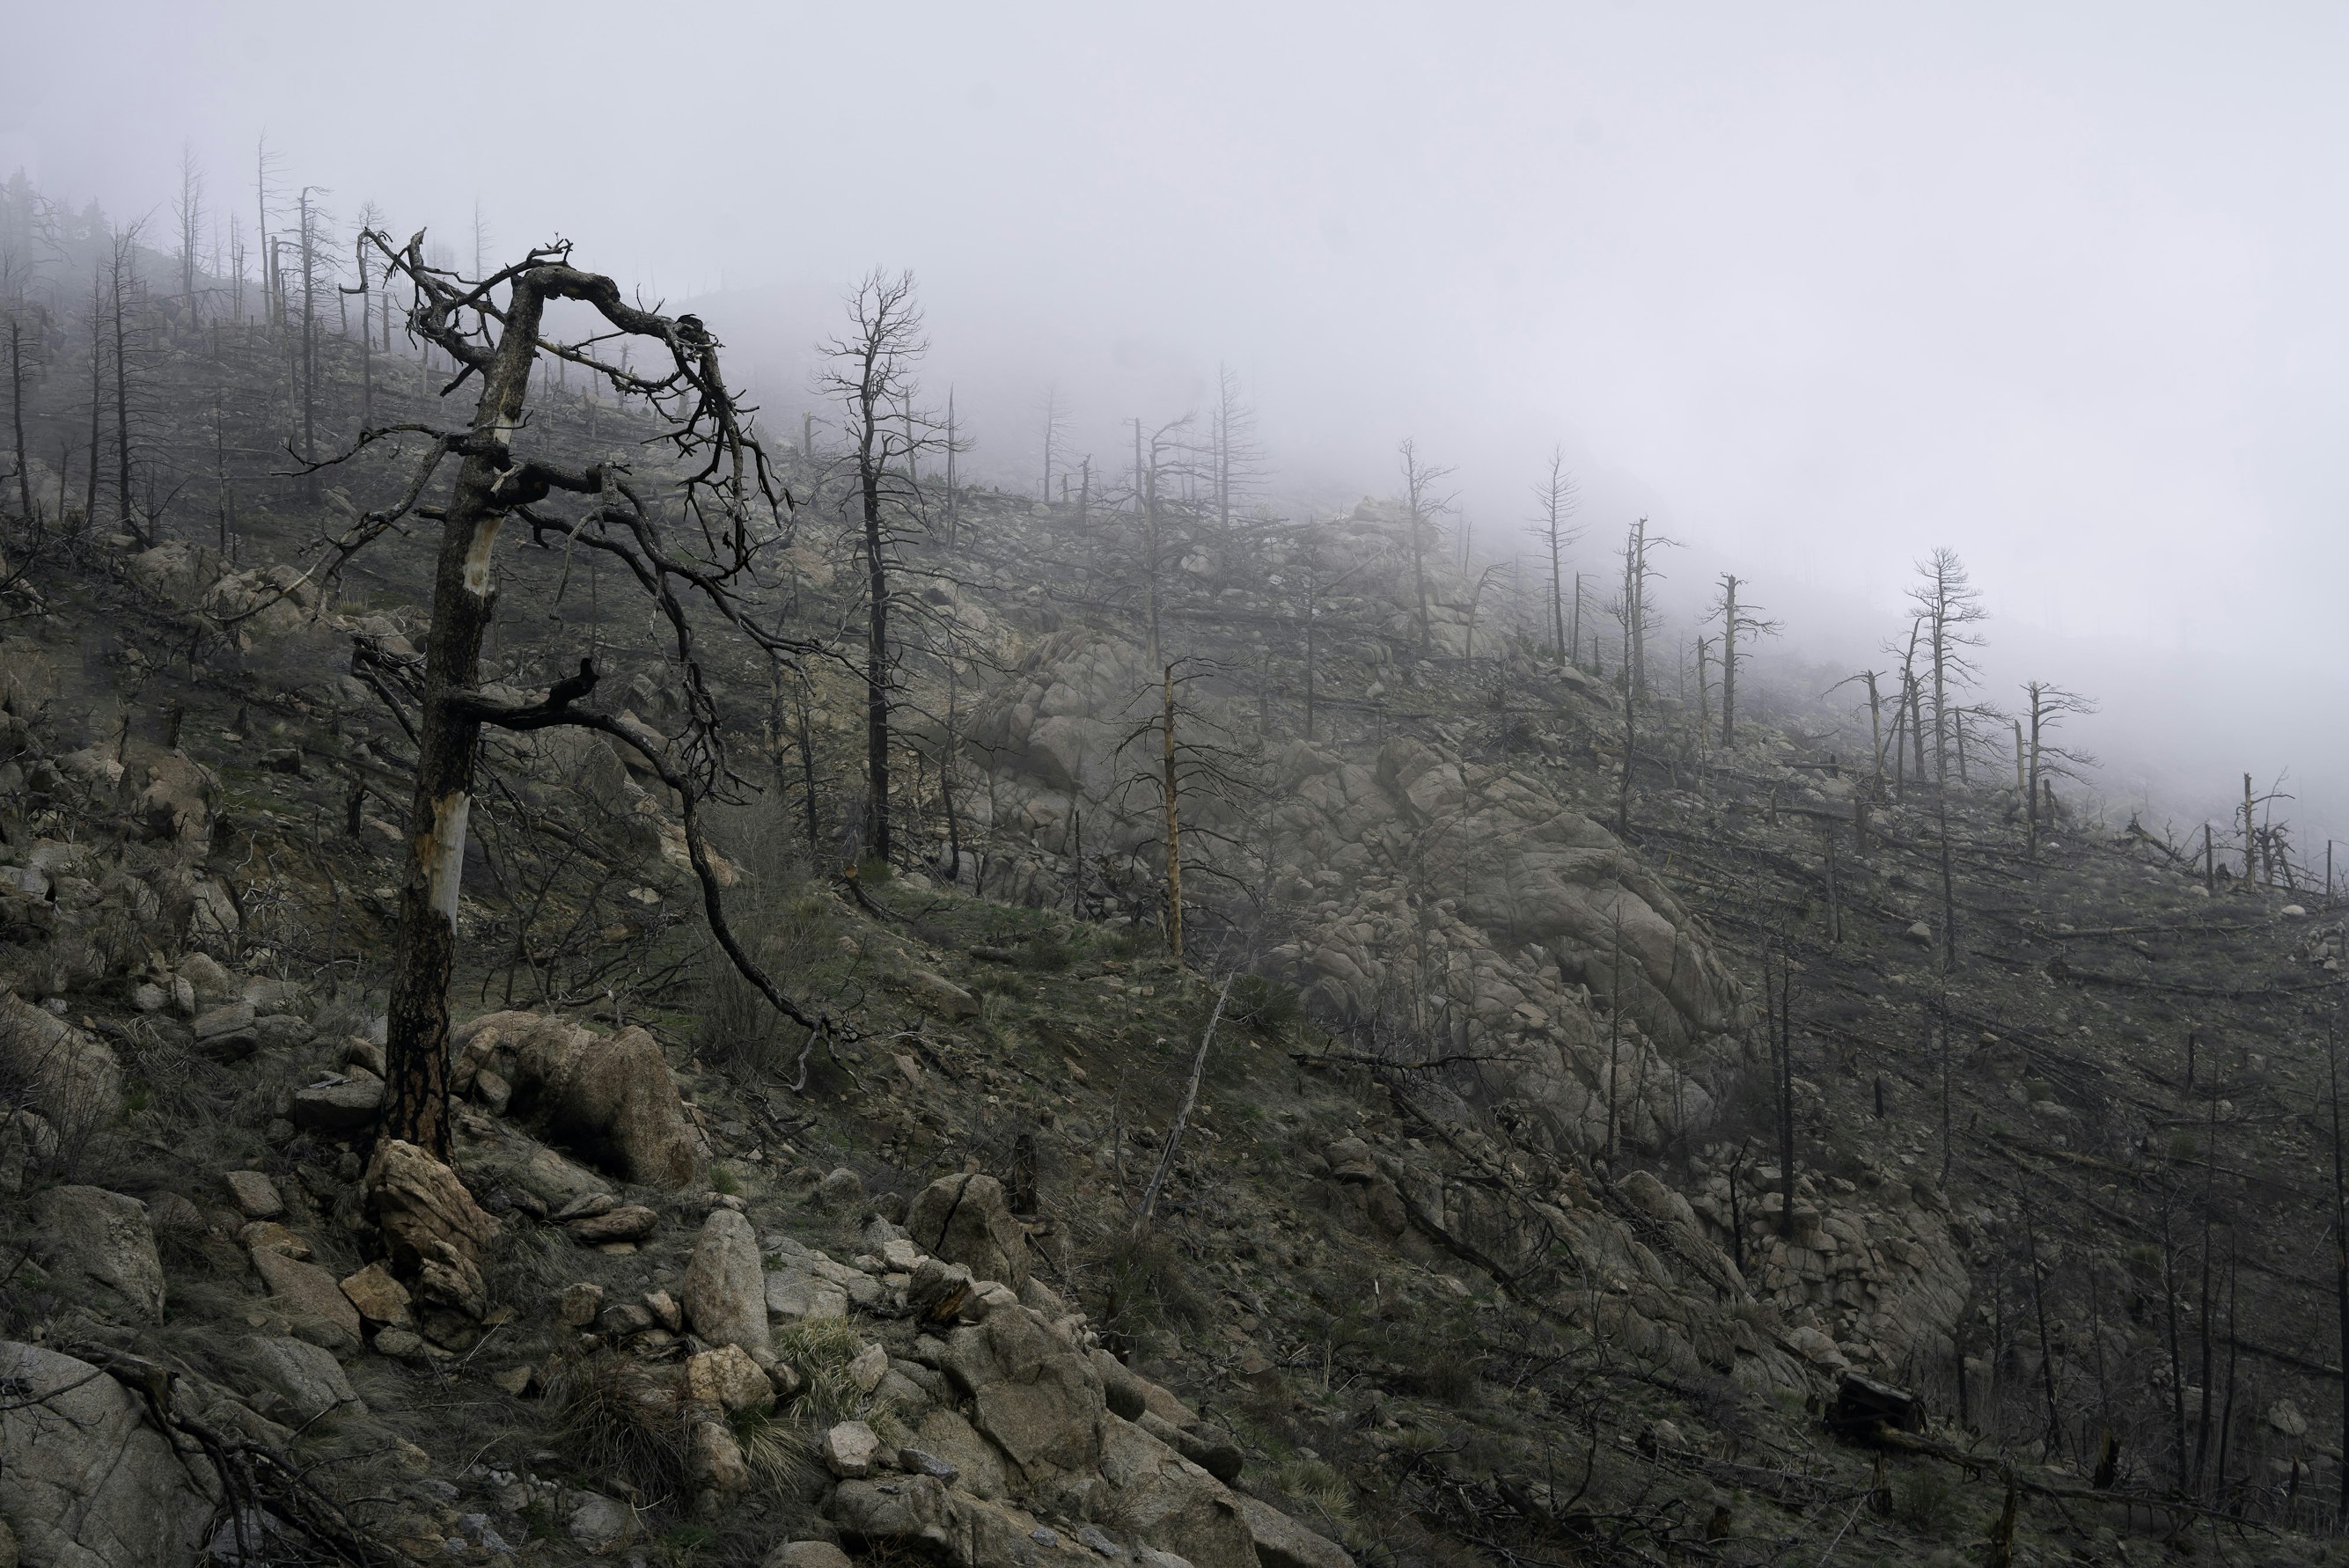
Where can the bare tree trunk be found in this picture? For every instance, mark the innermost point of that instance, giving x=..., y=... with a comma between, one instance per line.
x=1174, y=826
x=124, y=252
x=1174, y=1129
x=416, y=1107
x=1786, y=1066
x=17, y=414
x=1729, y=663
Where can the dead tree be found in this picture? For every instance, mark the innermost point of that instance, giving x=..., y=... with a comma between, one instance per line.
x=1193, y=761
x=1055, y=417
x=2039, y=760
x=1235, y=459
x=1736, y=619
x=726, y=505
x=871, y=371
x=1422, y=506
x=1555, y=499
x=1949, y=608
x=188, y=208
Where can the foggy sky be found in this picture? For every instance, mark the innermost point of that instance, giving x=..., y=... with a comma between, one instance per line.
x=1816, y=286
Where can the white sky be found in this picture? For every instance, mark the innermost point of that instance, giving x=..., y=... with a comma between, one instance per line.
x=1818, y=286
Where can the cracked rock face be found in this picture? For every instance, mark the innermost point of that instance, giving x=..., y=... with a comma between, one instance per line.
x=88, y=1483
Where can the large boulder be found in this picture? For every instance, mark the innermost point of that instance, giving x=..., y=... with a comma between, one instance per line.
x=610, y=1099
x=89, y=1482
x=73, y=1080
x=1174, y=1504
x=104, y=1237
x=968, y=1220
x=725, y=1290
x=1282, y=1542
x=1032, y=1391
x=436, y=1233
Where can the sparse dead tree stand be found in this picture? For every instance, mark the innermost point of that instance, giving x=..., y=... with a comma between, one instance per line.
x=724, y=492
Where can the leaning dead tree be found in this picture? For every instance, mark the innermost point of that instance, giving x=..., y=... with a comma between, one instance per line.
x=690, y=542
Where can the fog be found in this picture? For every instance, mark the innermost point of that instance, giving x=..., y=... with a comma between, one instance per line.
x=1816, y=287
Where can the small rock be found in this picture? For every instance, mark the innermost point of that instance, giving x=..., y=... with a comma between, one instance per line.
x=268, y=1236
x=597, y=1524
x=345, y=1105
x=281, y=1031
x=310, y=1293
x=308, y=1379
x=920, y=1462
x=379, y=1297
x=664, y=1307
x=254, y=1194
x=2286, y=1418
x=840, y=1189
x=1090, y=1535
x=577, y=1305
x=807, y=1554
x=1919, y=932
x=364, y=1054
x=940, y=995
x=516, y=1381
x=2293, y=912
x=398, y=1343
x=868, y=1368
x=586, y=1206
x=629, y=1222
x=849, y=1451
x=728, y=1378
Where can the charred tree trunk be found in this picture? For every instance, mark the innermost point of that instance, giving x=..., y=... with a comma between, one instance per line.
x=464, y=597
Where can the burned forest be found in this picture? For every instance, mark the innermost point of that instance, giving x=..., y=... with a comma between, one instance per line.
x=645, y=925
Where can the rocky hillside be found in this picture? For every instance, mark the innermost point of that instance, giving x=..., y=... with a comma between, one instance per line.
x=1538, y=1155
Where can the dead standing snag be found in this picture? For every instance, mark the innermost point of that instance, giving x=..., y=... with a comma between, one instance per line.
x=725, y=494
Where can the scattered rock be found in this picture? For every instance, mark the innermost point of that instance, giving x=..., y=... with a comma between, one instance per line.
x=1034, y=1393
x=341, y=1105
x=627, y=1223
x=807, y=1554
x=840, y=1189
x=308, y=1379
x=936, y=994
x=596, y=1523
x=311, y=1296
x=868, y=1368
x=849, y=1451
x=254, y=1194
x=379, y=1297
x=728, y=1378
x=436, y=1233
x=577, y=1305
